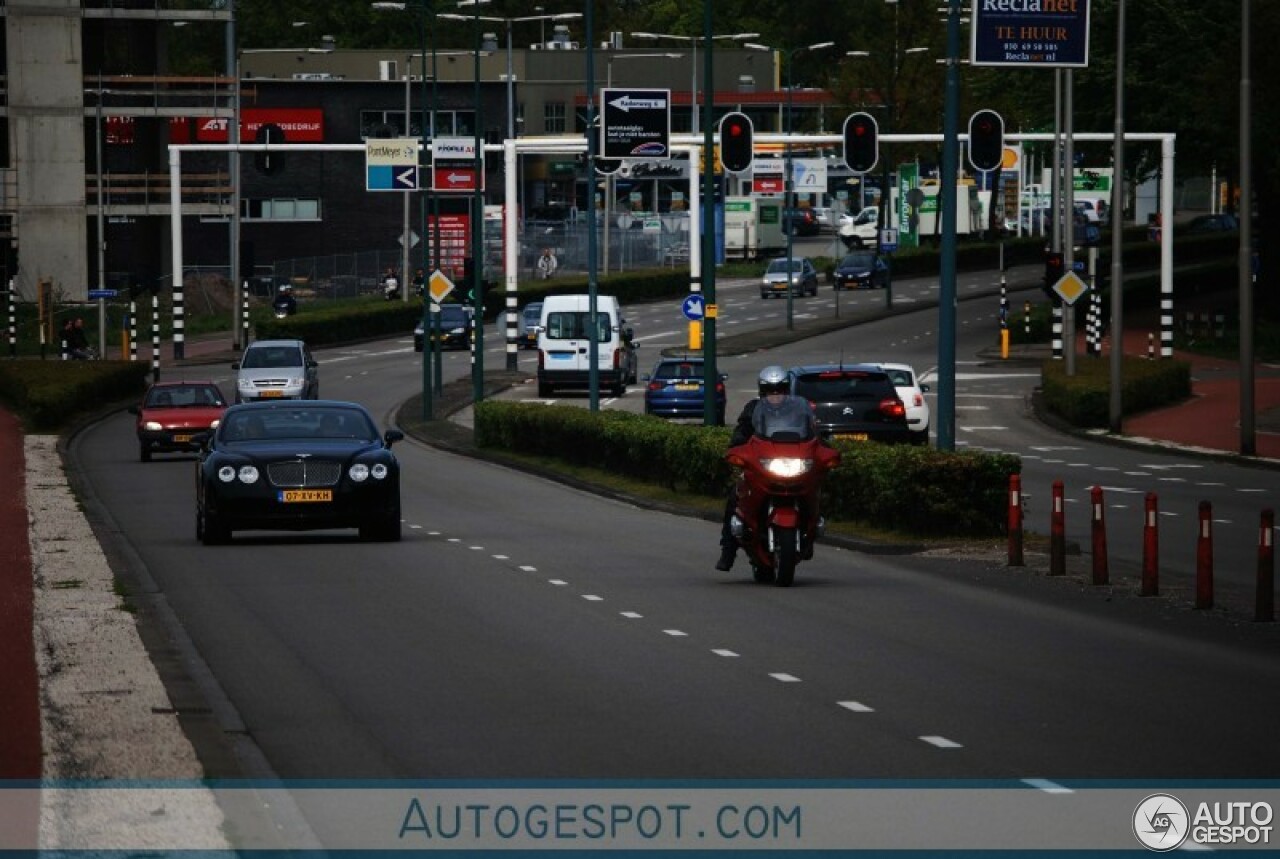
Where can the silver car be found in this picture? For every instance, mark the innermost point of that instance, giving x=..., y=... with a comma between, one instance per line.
x=276, y=370
x=803, y=278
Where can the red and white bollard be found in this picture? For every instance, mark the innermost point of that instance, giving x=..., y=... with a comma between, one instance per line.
x=1264, y=606
x=1015, y=520
x=1150, y=550
x=1204, y=557
x=1057, y=534
x=1101, y=573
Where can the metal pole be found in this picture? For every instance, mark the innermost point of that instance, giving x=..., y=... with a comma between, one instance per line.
x=788, y=193
x=404, y=233
x=511, y=249
x=947, y=283
x=102, y=237
x=477, y=237
x=428, y=332
x=710, y=374
x=1116, y=361
x=1068, y=204
x=511, y=93
x=593, y=335
x=1245, y=258
x=239, y=300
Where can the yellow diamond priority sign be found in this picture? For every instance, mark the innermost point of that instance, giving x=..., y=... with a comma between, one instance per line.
x=439, y=286
x=1070, y=287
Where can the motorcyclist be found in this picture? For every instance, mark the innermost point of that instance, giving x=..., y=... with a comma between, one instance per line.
x=776, y=399
x=284, y=301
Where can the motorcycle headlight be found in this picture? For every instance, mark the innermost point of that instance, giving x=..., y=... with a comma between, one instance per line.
x=787, y=466
x=153, y=426
x=358, y=472
x=248, y=474
x=379, y=471
x=226, y=474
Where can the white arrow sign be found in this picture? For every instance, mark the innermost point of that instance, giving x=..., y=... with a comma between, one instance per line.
x=457, y=178
x=407, y=178
x=627, y=103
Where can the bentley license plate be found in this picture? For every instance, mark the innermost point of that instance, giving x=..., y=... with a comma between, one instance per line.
x=302, y=496
x=852, y=436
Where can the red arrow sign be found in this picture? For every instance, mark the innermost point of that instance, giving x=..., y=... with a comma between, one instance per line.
x=454, y=179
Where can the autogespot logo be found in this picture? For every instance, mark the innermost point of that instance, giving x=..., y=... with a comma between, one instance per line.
x=1160, y=822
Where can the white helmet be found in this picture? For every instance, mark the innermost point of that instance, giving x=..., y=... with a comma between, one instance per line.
x=773, y=380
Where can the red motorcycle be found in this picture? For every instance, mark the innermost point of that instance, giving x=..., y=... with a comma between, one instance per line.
x=777, y=518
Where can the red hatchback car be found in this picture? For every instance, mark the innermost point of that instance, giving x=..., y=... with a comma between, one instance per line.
x=173, y=413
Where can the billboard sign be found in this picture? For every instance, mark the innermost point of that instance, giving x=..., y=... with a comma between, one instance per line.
x=635, y=123
x=1030, y=33
x=300, y=125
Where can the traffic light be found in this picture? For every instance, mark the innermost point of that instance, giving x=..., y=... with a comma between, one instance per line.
x=1054, y=268
x=986, y=140
x=861, y=142
x=737, y=144
x=269, y=162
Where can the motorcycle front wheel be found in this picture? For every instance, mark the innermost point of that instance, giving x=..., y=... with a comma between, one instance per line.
x=785, y=556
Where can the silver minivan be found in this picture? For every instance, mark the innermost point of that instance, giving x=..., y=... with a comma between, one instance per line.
x=276, y=370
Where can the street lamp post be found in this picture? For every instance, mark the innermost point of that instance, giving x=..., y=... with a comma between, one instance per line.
x=693, y=43
x=788, y=197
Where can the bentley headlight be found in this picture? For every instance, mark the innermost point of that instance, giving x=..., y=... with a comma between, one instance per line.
x=153, y=426
x=358, y=472
x=379, y=471
x=248, y=474
x=787, y=466
x=226, y=474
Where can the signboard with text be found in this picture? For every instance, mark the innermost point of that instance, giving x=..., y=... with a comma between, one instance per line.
x=391, y=165
x=453, y=165
x=768, y=176
x=1030, y=33
x=452, y=234
x=635, y=123
x=299, y=124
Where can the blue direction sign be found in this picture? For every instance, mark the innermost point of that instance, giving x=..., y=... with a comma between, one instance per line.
x=694, y=307
x=391, y=165
x=103, y=293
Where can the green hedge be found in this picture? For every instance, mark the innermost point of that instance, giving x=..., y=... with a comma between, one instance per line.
x=917, y=490
x=1084, y=399
x=49, y=394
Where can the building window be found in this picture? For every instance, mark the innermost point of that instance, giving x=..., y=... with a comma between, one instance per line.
x=283, y=209
x=376, y=124
x=553, y=118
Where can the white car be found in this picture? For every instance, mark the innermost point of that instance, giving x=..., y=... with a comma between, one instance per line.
x=911, y=392
x=859, y=230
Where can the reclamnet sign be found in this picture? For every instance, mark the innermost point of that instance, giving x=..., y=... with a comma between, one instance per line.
x=1050, y=33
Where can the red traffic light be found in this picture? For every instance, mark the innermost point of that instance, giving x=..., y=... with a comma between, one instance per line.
x=737, y=142
x=861, y=142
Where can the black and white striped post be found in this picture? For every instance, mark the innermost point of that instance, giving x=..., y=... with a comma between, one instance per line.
x=244, y=314
x=13, y=321
x=133, y=331
x=179, y=322
x=155, y=338
x=1057, y=331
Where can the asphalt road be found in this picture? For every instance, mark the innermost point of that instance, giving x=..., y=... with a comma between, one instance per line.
x=526, y=629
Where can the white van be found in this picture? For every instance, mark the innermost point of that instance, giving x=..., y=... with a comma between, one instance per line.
x=563, y=359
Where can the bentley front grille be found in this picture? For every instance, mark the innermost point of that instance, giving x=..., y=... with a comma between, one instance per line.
x=304, y=473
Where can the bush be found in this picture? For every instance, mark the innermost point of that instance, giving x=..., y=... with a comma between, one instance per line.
x=49, y=394
x=917, y=490
x=1084, y=399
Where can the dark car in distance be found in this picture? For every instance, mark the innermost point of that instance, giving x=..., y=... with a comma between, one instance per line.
x=853, y=402
x=294, y=466
x=457, y=328
x=530, y=319
x=1219, y=223
x=677, y=389
x=861, y=270
x=801, y=222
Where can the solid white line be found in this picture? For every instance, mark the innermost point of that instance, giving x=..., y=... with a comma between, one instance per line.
x=941, y=742
x=675, y=633
x=592, y=598
x=729, y=654
x=631, y=615
x=1046, y=785
x=785, y=678
x=855, y=706
x=530, y=569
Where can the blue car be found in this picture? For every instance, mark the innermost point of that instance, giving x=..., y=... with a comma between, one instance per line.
x=675, y=389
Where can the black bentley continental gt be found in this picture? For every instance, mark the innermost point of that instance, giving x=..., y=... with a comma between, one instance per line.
x=298, y=465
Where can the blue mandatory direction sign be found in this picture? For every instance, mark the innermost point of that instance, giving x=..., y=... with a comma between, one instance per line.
x=694, y=307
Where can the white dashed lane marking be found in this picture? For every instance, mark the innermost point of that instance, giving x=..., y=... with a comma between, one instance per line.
x=941, y=742
x=855, y=706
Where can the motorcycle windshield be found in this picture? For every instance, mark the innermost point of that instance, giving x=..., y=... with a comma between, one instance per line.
x=790, y=420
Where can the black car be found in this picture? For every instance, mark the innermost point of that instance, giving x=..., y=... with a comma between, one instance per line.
x=862, y=270
x=457, y=328
x=801, y=222
x=853, y=402
x=297, y=465
x=1220, y=223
